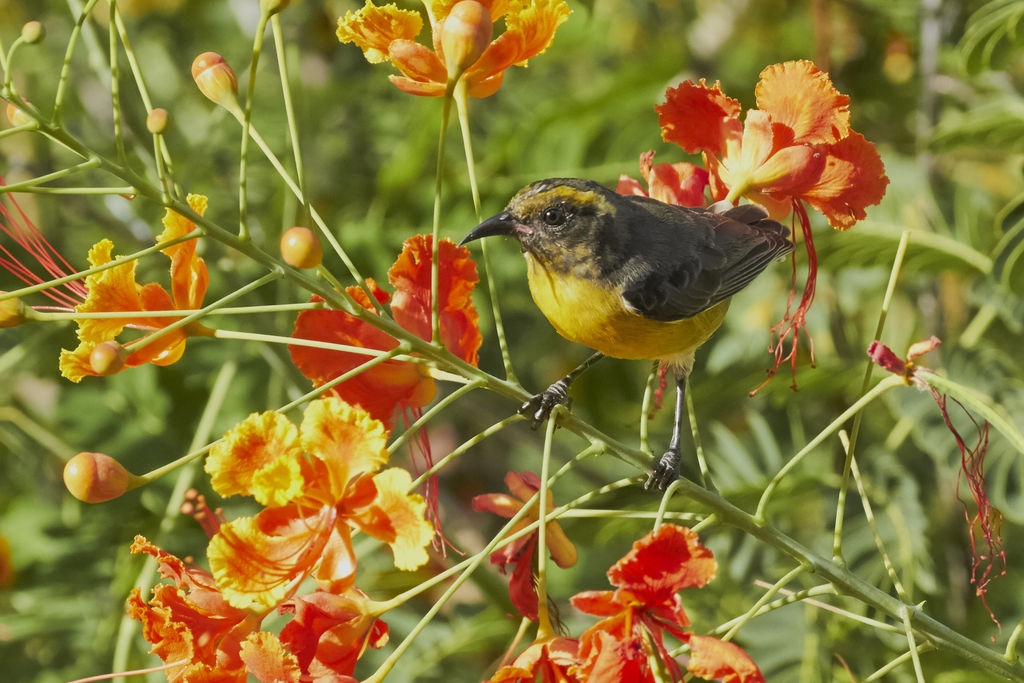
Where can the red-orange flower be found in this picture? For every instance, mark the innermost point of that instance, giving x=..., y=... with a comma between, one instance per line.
x=115, y=290
x=644, y=604
x=548, y=661
x=394, y=384
x=681, y=183
x=317, y=482
x=387, y=33
x=190, y=621
x=329, y=632
x=521, y=551
x=797, y=145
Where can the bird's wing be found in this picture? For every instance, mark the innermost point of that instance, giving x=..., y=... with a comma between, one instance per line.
x=722, y=254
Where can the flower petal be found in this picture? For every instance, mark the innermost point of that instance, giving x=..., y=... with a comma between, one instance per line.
x=408, y=532
x=417, y=62
x=712, y=658
x=699, y=118
x=410, y=275
x=373, y=28
x=237, y=462
x=853, y=178
x=536, y=22
x=266, y=659
x=346, y=438
x=256, y=561
x=804, y=105
x=663, y=562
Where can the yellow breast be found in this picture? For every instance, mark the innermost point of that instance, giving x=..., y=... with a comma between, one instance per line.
x=586, y=312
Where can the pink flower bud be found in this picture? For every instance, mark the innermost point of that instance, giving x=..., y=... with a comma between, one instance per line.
x=216, y=79
x=95, y=478
x=465, y=35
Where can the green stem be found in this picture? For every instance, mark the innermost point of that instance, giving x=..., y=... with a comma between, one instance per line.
x=218, y=394
x=433, y=412
x=65, y=72
x=164, y=331
x=289, y=108
x=465, y=446
x=115, y=86
x=243, y=211
x=82, y=274
x=462, y=105
x=837, y=535
x=93, y=162
x=869, y=514
x=435, y=229
x=909, y=630
x=544, y=629
x=739, y=623
x=880, y=388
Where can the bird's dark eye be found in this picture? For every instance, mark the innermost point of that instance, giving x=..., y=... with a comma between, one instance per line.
x=553, y=216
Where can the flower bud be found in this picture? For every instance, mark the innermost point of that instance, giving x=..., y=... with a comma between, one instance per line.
x=272, y=7
x=32, y=32
x=300, y=247
x=95, y=477
x=465, y=35
x=107, y=358
x=216, y=79
x=16, y=116
x=156, y=121
x=12, y=311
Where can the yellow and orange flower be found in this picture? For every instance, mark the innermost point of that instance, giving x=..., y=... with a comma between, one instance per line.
x=797, y=145
x=318, y=482
x=115, y=290
x=190, y=622
x=395, y=385
x=387, y=33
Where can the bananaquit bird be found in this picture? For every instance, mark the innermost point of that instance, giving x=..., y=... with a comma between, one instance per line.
x=633, y=277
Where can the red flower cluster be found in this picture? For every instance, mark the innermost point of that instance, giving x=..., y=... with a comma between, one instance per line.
x=644, y=605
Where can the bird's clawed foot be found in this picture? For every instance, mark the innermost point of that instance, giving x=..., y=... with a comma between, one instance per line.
x=539, y=407
x=665, y=472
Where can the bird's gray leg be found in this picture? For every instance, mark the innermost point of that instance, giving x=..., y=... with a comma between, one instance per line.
x=667, y=469
x=540, y=406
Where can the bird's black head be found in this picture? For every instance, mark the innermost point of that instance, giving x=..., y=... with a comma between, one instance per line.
x=558, y=221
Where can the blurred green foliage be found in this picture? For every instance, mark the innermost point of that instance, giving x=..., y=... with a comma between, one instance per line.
x=939, y=92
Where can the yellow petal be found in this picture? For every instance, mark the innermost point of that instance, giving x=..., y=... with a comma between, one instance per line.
x=537, y=23
x=252, y=445
x=406, y=513
x=373, y=28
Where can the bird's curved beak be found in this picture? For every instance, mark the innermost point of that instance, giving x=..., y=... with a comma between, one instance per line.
x=502, y=224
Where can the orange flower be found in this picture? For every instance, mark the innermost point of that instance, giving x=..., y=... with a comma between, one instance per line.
x=329, y=632
x=387, y=33
x=115, y=290
x=644, y=604
x=520, y=552
x=317, y=482
x=681, y=183
x=191, y=622
x=797, y=145
x=394, y=384
x=548, y=661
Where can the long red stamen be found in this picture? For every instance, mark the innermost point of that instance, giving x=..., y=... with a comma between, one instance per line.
x=16, y=225
x=785, y=334
x=972, y=466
